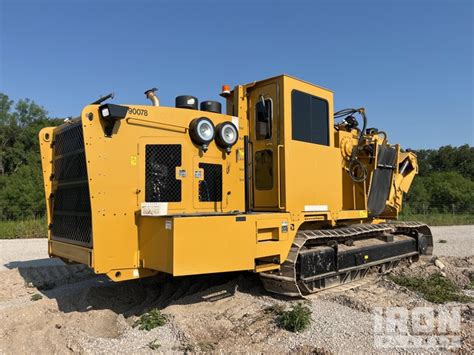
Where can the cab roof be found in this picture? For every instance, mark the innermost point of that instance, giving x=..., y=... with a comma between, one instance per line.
x=288, y=76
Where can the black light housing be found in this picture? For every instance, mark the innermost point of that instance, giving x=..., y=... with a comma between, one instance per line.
x=111, y=113
x=227, y=135
x=202, y=132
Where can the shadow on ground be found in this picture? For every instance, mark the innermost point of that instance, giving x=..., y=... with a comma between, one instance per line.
x=77, y=289
x=34, y=263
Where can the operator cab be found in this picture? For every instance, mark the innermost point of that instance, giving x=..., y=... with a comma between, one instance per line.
x=291, y=144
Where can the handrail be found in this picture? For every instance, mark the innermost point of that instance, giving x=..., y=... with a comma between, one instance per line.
x=280, y=146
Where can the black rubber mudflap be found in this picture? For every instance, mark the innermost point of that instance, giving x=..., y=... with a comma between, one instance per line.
x=380, y=187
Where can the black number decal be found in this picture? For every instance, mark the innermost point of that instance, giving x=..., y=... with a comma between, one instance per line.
x=137, y=111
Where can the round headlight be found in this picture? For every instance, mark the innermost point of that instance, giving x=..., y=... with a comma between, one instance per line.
x=227, y=135
x=202, y=131
x=205, y=131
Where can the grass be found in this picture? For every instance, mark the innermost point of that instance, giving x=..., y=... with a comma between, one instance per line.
x=440, y=219
x=185, y=348
x=154, y=344
x=436, y=288
x=31, y=228
x=151, y=320
x=275, y=309
x=471, y=282
x=36, y=297
x=296, y=320
x=207, y=346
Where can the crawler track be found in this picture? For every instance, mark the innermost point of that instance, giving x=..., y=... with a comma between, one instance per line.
x=288, y=281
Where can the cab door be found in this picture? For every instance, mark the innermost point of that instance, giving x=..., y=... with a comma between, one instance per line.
x=267, y=150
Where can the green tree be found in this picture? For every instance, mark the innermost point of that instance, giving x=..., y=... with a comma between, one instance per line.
x=424, y=164
x=7, y=129
x=441, y=192
x=23, y=193
x=451, y=190
x=418, y=197
x=447, y=158
x=21, y=186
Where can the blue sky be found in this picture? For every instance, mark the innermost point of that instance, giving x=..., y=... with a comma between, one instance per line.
x=410, y=63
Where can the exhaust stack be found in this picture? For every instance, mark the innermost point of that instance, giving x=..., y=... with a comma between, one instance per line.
x=150, y=94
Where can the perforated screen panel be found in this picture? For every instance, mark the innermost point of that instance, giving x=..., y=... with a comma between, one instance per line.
x=161, y=184
x=210, y=188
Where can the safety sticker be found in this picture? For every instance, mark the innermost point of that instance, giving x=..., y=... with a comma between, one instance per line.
x=154, y=208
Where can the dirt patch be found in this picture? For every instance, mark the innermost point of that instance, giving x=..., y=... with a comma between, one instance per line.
x=222, y=316
x=222, y=313
x=380, y=293
x=458, y=270
x=41, y=327
x=385, y=293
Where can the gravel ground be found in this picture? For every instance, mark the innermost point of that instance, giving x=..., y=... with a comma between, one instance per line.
x=85, y=313
x=25, y=253
x=459, y=240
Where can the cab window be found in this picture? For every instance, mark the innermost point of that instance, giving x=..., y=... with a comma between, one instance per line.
x=309, y=118
x=264, y=169
x=264, y=119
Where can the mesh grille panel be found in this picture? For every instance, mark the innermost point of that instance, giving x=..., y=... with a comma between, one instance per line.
x=70, y=167
x=210, y=189
x=72, y=199
x=69, y=139
x=71, y=215
x=72, y=229
x=161, y=184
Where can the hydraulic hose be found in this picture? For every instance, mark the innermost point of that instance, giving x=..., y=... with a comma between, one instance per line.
x=354, y=163
x=384, y=136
